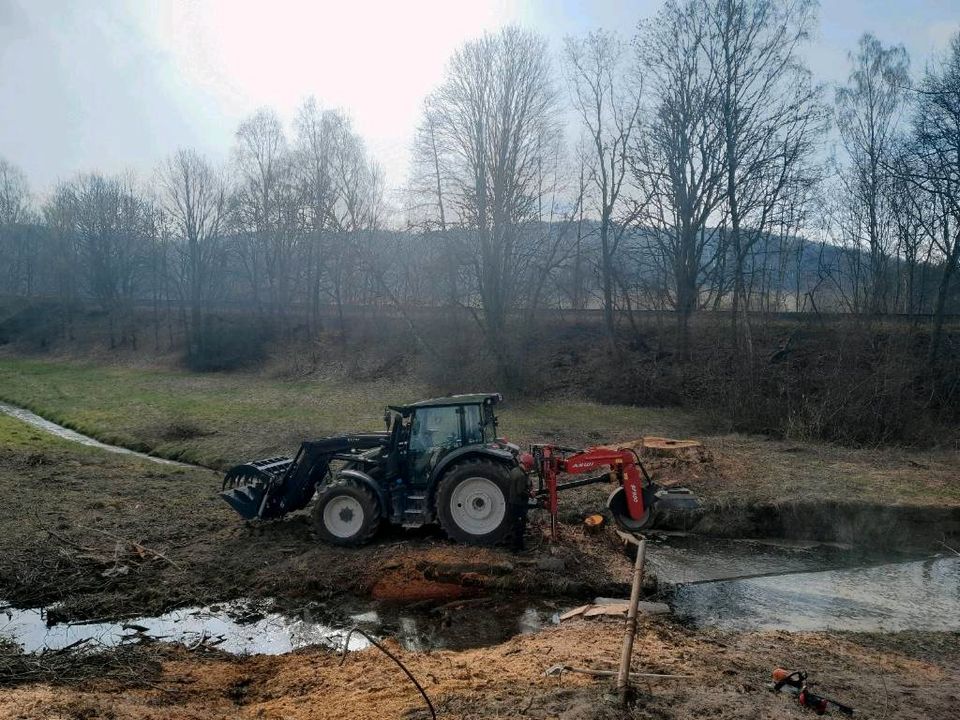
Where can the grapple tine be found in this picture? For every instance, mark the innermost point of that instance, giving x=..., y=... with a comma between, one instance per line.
x=246, y=487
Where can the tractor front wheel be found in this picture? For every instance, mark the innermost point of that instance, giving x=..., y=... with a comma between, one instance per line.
x=475, y=502
x=346, y=513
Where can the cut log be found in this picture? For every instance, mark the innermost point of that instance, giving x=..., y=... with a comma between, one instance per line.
x=619, y=609
x=615, y=608
x=655, y=445
x=647, y=608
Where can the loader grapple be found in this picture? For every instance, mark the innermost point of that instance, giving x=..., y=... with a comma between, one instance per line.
x=272, y=487
x=245, y=486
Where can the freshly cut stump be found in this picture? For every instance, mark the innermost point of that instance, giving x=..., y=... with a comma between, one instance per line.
x=668, y=447
x=594, y=523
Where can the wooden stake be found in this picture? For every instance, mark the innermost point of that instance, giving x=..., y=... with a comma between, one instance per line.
x=623, y=677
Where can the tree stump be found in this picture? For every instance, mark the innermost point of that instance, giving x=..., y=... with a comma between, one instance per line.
x=654, y=446
x=593, y=523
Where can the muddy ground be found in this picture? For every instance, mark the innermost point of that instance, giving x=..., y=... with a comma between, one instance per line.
x=889, y=676
x=104, y=535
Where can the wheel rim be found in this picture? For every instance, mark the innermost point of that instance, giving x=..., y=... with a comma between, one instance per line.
x=343, y=516
x=477, y=506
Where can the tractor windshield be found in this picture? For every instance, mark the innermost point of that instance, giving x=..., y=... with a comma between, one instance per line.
x=439, y=427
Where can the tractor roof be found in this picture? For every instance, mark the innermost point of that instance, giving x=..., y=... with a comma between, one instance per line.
x=471, y=399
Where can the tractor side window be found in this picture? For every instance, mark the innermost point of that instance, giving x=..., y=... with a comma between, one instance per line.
x=434, y=428
x=473, y=425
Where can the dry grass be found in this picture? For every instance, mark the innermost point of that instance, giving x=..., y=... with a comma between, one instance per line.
x=728, y=674
x=219, y=419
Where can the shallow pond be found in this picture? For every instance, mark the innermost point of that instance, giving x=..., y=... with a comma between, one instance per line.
x=753, y=585
x=241, y=627
x=917, y=595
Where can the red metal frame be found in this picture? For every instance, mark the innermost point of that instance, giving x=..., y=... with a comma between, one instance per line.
x=623, y=465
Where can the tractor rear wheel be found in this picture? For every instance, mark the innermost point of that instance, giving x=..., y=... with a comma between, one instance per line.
x=475, y=502
x=346, y=513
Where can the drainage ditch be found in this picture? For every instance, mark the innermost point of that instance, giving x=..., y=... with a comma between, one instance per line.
x=67, y=434
x=919, y=594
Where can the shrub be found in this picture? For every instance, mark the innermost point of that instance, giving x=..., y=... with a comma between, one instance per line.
x=230, y=343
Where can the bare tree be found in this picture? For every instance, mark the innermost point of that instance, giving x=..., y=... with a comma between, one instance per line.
x=357, y=213
x=110, y=221
x=494, y=122
x=770, y=114
x=266, y=209
x=868, y=109
x=428, y=188
x=937, y=172
x=908, y=209
x=194, y=198
x=678, y=161
x=318, y=132
x=17, y=241
x=14, y=194
x=606, y=91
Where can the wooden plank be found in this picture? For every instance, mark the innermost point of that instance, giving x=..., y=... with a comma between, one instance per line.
x=607, y=610
x=576, y=612
x=615, y=608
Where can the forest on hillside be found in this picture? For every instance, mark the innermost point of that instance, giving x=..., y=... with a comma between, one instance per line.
x=697, y=168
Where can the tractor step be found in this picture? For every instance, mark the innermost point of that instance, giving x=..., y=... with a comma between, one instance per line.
x=415, y=511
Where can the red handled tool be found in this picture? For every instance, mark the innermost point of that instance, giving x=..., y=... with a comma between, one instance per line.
x=795, y=682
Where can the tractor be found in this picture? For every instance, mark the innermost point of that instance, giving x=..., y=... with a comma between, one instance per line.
x=439, y=460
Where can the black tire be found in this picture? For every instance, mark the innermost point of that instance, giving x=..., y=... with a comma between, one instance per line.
x=617, y=502
x=334, y=513
x=469, y=500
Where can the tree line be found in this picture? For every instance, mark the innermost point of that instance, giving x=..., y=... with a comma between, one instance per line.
x=685, y=169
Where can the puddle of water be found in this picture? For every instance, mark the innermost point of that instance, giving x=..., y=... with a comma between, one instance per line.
x=221, y=626
x=68, y=434
x=241, y=628
x=916, y=595
x=469, y=627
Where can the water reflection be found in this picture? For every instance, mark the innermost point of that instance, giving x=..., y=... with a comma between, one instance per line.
x=242, y=627
x=918, y=595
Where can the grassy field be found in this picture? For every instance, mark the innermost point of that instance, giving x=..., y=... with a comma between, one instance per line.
x=219, y=419
x=107, y=535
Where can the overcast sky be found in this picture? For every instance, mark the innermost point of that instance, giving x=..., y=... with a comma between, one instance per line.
x=115, y=86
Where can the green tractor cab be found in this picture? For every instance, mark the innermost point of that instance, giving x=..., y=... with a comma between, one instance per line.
x=439, y=460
